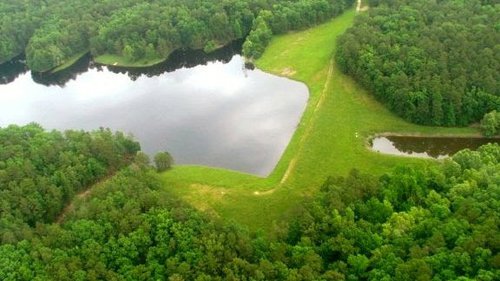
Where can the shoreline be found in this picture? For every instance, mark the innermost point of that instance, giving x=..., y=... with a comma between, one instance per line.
x=120, y=61
x=69, y=63
x=116, y=60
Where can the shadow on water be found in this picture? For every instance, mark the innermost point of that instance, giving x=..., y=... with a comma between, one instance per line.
x=178, y=59
x=182, y=59
x=60, y=78
x=10, y=70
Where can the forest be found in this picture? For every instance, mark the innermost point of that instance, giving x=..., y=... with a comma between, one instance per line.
x=40, y=172
x=431, y=222
x=431, y=62
x=53, y=32
x=80, y=205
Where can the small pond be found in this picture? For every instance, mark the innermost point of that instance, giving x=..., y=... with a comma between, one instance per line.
x=205, y=110
x=426, y=147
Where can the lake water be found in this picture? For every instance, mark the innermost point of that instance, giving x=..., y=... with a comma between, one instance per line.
x=426, y=147
x=206, y=110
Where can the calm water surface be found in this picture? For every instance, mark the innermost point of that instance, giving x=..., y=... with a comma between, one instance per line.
x=207, y=110
x=426, y=147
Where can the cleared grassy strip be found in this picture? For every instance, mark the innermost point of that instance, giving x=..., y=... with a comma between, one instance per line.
x=330, y=139
x=69, y=62
x=115, y=60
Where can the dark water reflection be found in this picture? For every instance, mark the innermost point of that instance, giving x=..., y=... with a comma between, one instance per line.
x=183, y=59
x=427, y=147
x=9, y=71
x=218, y=113
x=62, y=77
x=178, y=59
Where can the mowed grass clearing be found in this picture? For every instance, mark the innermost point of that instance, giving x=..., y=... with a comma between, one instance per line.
x=330, y=140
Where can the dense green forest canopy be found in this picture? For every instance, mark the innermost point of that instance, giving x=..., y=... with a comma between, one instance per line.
x=424, y=223
x=431, y=62
x=15, y=27
x=52, y=32
x=40, y=172
x=490, y=124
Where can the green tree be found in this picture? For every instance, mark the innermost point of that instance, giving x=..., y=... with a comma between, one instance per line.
x=142, y=159
x=163, y=161
x=490, y=124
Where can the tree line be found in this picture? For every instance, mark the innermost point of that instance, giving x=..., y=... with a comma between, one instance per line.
x=285, y=16
x=431, y=62
x=51, y=32
x=437, y=222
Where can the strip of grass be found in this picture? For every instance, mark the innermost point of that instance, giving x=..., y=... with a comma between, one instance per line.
x=330, y=139
x=69, y=62
x=115, y=60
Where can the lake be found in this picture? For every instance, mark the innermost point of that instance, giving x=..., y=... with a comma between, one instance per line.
x=426, y=147
x=204, y=110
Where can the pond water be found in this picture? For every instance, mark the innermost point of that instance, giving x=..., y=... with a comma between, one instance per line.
x=206, y=110
x=427, y=147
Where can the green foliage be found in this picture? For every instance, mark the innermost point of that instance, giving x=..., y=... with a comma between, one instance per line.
x=16, y=28
x=40, y=172
x=431, y=62
x=490, y=124
x=163, y=161
x=133, y=229
x=142, y=159
x=288, y=15
x=258, y=39
x=433, y=224
x=210, y=46
x=411, y=224
x=52, y=32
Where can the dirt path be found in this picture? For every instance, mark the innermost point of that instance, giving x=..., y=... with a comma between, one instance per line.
x=81, y=195
x=359, y=7
x=308, y=131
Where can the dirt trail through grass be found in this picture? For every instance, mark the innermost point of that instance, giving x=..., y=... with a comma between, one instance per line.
x=330, y=139
x=293, y=162
x=79, y=196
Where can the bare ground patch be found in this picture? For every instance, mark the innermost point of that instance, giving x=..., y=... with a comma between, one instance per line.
x=267, y=192
x=205, y=194
x=82, y=195
x=287, y=71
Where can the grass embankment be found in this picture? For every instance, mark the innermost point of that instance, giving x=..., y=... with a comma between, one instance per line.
x=69, y=62
x=115, y=60
x=330, y=139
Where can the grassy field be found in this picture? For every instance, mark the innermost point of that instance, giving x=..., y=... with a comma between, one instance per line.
x=116, y=60
x=331, y=138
